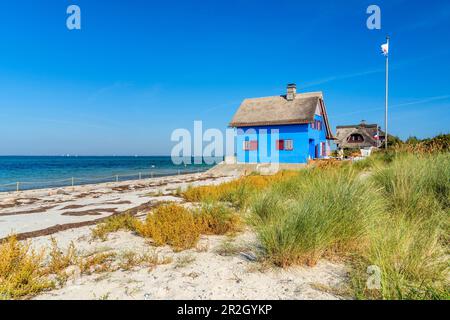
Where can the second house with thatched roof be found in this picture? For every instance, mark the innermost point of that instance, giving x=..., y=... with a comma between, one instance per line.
x=359, y=136
x=290, y=128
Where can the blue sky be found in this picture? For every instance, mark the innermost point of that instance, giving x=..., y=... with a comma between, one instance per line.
x=139, y=69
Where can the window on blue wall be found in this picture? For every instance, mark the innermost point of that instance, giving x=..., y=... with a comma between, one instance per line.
x=289, y=145
x=280, y=144
x=316, y=125
x=250, y=145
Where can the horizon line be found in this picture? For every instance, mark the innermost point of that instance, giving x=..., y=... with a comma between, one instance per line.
x=75, y=156
x=87, y=155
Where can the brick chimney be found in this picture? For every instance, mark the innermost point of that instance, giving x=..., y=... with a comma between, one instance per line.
x=291, y=91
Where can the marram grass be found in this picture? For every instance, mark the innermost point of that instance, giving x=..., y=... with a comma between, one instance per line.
x=320, y=214
x=391, y=211
x=410, y=244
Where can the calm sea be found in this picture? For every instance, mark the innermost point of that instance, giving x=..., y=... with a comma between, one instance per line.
x=58, y=171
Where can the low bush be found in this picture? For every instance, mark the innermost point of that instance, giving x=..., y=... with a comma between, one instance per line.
x=113, y=224
x=170, y=224
x=130, y=259
x=60, y=260
x=21, y=270
x=217, y=218
x=179, y=227
x=97, y=262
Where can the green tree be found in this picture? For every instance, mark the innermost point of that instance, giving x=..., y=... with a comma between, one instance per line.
x=394, y=141
x=412, y=140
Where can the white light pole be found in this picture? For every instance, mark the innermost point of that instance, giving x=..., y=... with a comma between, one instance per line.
x=387, y=95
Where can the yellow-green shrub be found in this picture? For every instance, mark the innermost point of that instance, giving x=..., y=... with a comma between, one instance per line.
x=20, y=270
x=170, y=224
x=217, y=218
x=60, y=260
x=131, y=259
x=180, y=227
x=97, y=262
x=113, y=224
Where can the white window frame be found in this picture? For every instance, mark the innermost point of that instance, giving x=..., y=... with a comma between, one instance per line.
x=288, y=144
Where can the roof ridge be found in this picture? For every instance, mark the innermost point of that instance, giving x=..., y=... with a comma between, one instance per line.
x=263, y=98
x=357, y=126
x=313, y=94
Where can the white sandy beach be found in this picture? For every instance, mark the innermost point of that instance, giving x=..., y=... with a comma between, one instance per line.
x=205, y=272
x=36, y=210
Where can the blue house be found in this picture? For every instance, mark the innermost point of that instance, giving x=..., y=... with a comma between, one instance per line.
x=291, y=128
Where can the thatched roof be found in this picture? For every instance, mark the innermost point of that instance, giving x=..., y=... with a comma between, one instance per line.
x=367, y=131
x=278, y=110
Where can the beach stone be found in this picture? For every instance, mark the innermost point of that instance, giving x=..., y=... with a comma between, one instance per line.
x=61, y=191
